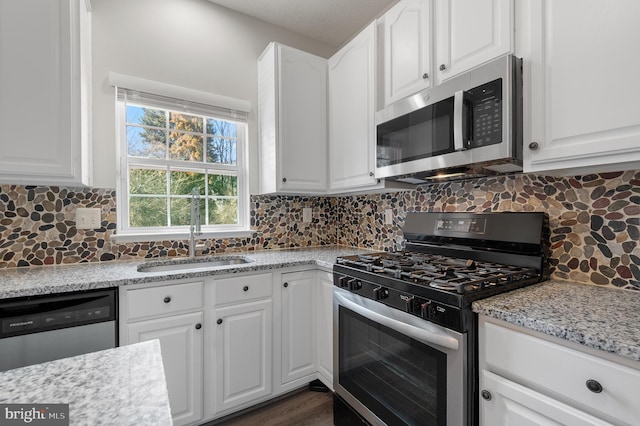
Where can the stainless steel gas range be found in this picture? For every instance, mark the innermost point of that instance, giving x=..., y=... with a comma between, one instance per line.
x=405, y=338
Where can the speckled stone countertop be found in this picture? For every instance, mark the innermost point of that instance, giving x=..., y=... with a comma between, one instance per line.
x=34, y=280
x=596, y=317
x=121, y=386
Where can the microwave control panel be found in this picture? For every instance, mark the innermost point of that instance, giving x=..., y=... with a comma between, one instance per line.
x=485, y=108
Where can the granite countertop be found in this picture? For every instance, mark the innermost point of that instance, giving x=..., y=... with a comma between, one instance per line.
x=121, y=386
x=35, y=280
x=592, y=316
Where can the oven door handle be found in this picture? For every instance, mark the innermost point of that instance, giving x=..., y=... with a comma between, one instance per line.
x=409, y=330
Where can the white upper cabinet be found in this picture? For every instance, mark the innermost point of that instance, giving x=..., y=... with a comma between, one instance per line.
x=407, y=49
x=352, y=129
x=45, y=85
x=292, y=102
x=577, y=122
x=469, y=33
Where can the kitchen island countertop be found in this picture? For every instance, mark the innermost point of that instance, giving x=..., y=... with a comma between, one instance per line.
x=121, y=386
x=589, y=315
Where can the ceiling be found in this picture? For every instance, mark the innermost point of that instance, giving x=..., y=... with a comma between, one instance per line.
x=332, y=22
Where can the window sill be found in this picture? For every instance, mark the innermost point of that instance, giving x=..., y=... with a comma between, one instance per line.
x=134, y=238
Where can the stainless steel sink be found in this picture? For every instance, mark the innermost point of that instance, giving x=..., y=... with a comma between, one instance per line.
x=191, y=265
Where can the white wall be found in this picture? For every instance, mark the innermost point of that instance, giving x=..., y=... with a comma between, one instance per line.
x=190, y=43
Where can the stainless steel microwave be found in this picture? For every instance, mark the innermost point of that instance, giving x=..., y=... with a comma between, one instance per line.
x=468, y=126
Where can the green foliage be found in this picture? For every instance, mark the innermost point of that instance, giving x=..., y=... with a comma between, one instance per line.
x=154, y=133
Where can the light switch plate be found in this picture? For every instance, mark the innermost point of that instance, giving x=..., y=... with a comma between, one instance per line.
x=306, y=214
x=88, y=218
x=388, y=216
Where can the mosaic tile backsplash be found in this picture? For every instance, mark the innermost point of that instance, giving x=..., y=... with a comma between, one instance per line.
x=594, y=221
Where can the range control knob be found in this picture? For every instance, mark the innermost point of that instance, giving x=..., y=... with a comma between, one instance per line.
x=343, y=281
x=380, y=293
x=355, y=284
x=408, y=303
x=425, y=309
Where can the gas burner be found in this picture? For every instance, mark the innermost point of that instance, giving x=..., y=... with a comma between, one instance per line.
x=368, y=258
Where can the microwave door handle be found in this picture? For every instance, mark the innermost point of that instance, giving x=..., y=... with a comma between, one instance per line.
x=458, y=130
x=409, y=330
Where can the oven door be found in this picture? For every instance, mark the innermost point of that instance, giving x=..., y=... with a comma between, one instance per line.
x=393, y=368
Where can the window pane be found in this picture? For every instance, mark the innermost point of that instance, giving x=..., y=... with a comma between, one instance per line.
x=223, y=185
x=221, y=128
x=146, y=116
x=146, y=181
x=147, y=143
x=185, y=147
x=181, y=211
x=221, y=151
x=182, y=183
x=147, y=211
x=189, y=123
x=223, y=211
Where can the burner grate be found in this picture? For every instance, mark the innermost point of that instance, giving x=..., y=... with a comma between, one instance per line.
x=446, y=273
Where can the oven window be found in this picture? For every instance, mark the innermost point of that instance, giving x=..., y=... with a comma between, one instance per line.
x=400, y=380
x=423, y=133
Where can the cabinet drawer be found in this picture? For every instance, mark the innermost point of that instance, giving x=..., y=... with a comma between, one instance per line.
x=564, y=373
x=242, y=289
x=165, y=300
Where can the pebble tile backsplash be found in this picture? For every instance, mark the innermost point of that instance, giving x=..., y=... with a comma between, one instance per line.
x=594, y=222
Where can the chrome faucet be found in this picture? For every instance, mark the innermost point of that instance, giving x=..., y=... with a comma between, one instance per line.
x=195, y=224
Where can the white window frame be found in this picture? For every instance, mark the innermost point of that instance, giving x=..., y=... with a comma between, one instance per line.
x=124, y=232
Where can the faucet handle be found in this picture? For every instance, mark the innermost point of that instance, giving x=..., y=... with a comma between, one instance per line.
x=201, y=245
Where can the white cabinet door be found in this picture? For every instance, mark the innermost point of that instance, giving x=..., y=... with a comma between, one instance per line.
x=584, y=85
x=324, y=326
x=292, y=120
x=352, y=129
x=242, y=353
x=45, y=68
x=298, y=331
x=512, y=404
x=469, y=33
x=407, y=49
x=181, y=339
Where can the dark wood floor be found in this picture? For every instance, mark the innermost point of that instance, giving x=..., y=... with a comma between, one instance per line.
x=305, y=408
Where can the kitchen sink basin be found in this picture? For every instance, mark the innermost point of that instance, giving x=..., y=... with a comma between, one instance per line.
x=191, y=265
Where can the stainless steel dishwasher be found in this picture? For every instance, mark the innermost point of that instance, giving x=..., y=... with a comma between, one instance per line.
x=37, y=329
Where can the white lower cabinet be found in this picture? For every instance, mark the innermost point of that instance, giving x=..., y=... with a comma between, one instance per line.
x=324, y=326
x=230, y=342
x=532, y=379
x=242, y=354
x=238, y=350
x=298, y=330
x=158, y=313
x=513, y=404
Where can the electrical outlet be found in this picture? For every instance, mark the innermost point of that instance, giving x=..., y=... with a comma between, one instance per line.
x=88, y=218
x=388, y=216
x=306, y=214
